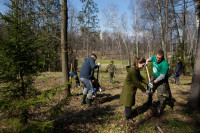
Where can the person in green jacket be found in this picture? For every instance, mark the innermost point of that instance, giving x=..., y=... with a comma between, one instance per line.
x=132, y=82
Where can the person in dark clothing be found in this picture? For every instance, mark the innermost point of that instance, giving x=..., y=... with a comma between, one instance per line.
x=177, y=71
x=86, y=76
x=74, y=75
x=96, y=86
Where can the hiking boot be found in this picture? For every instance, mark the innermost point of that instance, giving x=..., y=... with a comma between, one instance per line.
x=160, y=111
x=171, y=103
x=83, y=99
x=148, y=103
x=89, y=102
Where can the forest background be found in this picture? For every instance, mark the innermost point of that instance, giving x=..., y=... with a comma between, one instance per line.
x=54, y=37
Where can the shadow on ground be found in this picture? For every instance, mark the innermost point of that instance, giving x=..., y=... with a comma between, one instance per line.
x=108, y=98
x=82, y=121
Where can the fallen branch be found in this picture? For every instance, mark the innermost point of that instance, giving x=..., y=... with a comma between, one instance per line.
x=159, y=128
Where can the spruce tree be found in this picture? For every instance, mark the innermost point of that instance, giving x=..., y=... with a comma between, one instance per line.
x=21, y=61
x=88, y=19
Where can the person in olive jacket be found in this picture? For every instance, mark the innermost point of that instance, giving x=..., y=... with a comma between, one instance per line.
x=132, y=82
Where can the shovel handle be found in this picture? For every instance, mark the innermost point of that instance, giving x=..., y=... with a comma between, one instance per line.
x=148, y=73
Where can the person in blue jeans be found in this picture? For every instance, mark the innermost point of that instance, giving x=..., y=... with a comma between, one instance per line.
x=96, y=87
x=177, y=71
x=86, y=76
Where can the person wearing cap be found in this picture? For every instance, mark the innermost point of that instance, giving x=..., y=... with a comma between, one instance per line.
x=177, y=72
x=86, y=76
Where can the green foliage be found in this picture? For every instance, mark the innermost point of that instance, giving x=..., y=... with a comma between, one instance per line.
x=88, y=17
x=187, y=63
x=22, y=60
x=35, y=127
x=145, y=128
x=13, y=125
x=183, y=127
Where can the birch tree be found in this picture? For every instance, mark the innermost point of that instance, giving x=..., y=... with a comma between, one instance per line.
x=112, y=21
x=163, y=28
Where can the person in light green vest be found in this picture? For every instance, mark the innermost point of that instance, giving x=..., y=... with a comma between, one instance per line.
x=159, y=81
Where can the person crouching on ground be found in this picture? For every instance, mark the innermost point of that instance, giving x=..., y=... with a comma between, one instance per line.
x=132, y=82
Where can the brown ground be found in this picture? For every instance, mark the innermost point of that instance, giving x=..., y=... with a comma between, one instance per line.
x=107, y=115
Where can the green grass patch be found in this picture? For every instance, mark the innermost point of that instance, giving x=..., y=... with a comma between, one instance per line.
x=11, y=125
x=145, y=128
x=183, y=127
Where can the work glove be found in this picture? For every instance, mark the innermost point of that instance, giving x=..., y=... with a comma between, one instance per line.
x=98, y=64
x=148, y=92
x=150, y=85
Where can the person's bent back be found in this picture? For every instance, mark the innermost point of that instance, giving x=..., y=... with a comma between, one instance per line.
x=87, y=69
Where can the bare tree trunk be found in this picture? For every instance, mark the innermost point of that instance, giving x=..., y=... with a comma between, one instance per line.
x=163, y=35
x=166, y=27
x=87, y=45
x=176, y=25
x=194, y=99
x=112, y=51
x=184, y=34
x=172, y=46
x=83, y=46
x=64, y=45
x=192, y=46
x=128, y=53
x=102, y=48
x=120, y=50
x=184, y=38
x=161, y=25
x=136, y=22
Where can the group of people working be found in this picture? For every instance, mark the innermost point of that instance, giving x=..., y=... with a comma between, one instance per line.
x=159, y=81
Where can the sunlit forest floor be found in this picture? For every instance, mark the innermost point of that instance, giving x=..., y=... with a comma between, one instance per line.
x=107, y=115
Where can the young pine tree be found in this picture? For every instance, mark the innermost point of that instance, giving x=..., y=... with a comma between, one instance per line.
x=21, y=61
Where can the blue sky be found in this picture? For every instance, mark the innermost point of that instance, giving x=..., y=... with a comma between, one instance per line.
x=2, y=6
x=123, y=7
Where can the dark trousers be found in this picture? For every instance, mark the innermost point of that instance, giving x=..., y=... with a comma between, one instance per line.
x=128, y=112
x=176, y=77
x=111, y=76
